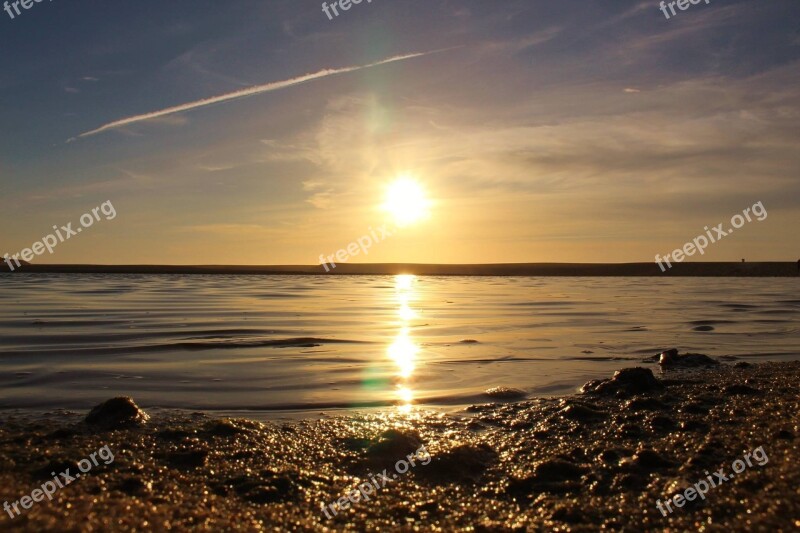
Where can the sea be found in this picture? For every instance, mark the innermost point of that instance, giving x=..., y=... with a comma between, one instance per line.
x=268, y=346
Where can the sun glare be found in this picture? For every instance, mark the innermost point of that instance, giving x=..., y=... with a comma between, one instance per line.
x=406, y=201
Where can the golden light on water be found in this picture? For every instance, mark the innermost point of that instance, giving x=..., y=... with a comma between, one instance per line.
x=403, y=296
x=403, y=282
x=403, y=350
x=406, y=395
x=406, y=201
x=405, y=312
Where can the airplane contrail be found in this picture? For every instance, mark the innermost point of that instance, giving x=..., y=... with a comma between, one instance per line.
x=243, y=93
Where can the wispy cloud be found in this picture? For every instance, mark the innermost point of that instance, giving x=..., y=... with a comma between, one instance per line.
x=243, y=93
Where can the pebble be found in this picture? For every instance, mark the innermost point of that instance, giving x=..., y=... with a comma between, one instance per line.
x=116, y=413
x=740, y=389
x=651, y=460
x=505, y=393
x=582, y=413
x=628, y=381
x=393, y=445
x=465, y=463
x=671, y=359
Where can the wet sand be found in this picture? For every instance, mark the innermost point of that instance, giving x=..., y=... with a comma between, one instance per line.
x=601, y=458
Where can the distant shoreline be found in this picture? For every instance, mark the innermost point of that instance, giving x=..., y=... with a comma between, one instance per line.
x=716, y=269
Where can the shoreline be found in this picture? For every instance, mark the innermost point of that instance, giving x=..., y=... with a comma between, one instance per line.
x=601, y=458
x=696, y=269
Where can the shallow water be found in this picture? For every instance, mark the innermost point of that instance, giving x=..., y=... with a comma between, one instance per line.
x=269, y=344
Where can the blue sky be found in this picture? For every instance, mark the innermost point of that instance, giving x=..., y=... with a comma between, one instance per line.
x=542, y=131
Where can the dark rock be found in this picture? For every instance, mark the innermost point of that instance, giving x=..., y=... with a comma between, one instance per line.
x=671, y=359
x=630, y=431
x=703, y=328
x=555, y=476
x=628, y=381
x=541, y=434
x=262, y=494
x=505, y=393
x=269, y=487
x=569, y=515
x=555, y=470
x=62, y=433
x=582, y=413
x=740, y=390
x=117, y=413
x=188, y=458
x=784, y=434
x=663, y=423
x=651, y=460
x=742, y=364
x=58, y=466
x=694, y=425
x=629, y=481
x=695, y=408
x=394, y=445
x=356, y=443
x=610, y=457
x=224, y=428
x=133, y=486
x=465, y=463
x=646, y=404
x=578, y=454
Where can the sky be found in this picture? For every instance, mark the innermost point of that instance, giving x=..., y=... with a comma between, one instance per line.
x=262, y=132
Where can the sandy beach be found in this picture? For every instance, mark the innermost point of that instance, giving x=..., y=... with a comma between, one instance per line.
x=601, y=458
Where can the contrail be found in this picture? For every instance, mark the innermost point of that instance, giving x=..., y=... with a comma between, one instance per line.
x=243, y=93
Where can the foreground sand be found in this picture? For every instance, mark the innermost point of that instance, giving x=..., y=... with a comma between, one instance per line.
x=577, y=463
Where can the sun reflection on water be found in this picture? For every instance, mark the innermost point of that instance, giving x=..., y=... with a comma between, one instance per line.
x=403, y=350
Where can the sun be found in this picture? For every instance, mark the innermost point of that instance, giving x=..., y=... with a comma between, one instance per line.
x=406, y=201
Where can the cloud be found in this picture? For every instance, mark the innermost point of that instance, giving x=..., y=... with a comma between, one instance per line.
x=125, y=182
x=243, y=93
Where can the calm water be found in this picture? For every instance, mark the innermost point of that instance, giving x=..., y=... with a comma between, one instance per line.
x=275, y=343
